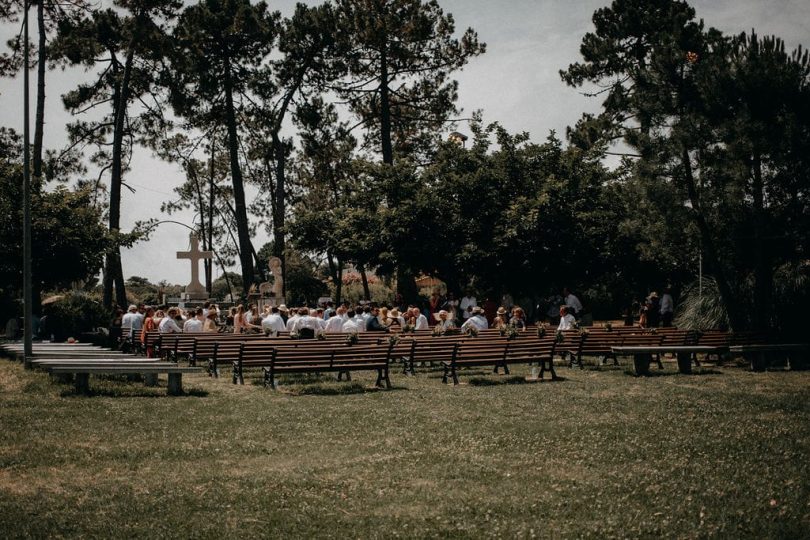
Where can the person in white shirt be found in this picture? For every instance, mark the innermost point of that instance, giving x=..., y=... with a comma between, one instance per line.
x=168, y=324
x=194, y=324
x=291, y=321
x=571, y=302
x=132, y=322
x=421, y=321
x=467, y=304
x=444, y=322
x=350, y=326
x=476, y=320
x=273, y=323
x=307, y=324
x=334, y=324
x=566, y=319
x=667, y=307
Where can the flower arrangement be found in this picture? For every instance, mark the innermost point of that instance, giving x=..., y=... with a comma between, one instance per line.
x=541, y=331
x=321, y=336
x=295, y=335
x=436, y=331
x=408, y=329
x=560, y=337
x=352, y=339
x=608, y=326
x=575, y=325
x=471, y=331
x=393, y=340
x=584, y=332
x=509, y=331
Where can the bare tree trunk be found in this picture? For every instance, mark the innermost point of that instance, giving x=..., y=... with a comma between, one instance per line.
x=763, y=270
x=364, y=279
x=246, y=251
x=735, y=316
x=39, y=122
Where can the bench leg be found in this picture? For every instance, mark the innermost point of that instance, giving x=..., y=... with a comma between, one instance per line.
x=175, y=387
x=685, y=363
x=454, y=375
x=150, y=379
x=82, y=383
x=505, y=368
x=387, y=380
x=641, y=364
x=212, y=369
x=444, y=375
x=658, y=360
x=379, y=378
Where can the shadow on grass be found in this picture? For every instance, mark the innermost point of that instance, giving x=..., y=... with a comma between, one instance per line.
x=128, y=389
x=699, y=372
x=509, y=380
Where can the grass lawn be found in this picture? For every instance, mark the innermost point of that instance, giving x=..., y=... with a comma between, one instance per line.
x=603, y=454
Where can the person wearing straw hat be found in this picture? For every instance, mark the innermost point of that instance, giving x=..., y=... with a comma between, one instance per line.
x=476, y=320
x=444, y=321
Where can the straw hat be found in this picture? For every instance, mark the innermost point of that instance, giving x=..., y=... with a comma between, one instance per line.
x=283, y=308
x=501, y=310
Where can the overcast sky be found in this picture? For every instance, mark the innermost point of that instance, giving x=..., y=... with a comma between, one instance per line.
x=516, y=83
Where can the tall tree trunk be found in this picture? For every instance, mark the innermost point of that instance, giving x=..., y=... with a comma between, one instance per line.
x=335, y=274
x=279, y=240
x=209, y=263
x=113, y=275
x=364, y=279
x=39, y=122
x=763, y=270
x=735, y=315
x=385, y=111
x=246, y=251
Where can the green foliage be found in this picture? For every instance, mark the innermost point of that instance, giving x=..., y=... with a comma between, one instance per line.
x=75, y=313
x=303, y=283
x=68, y=239
x=701, y=309
x=220, y=288
x=719, y=130
x=397, y=57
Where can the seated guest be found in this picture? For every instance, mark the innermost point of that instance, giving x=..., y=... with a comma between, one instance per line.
x=350, y=326
x=359, y=319
x=566, y=319
x=210, y=324
x=195, y=323
x=149, y=325
x=273, y=323
x=374, y=324
x=420, y=321
x=307, y=323
x=444, y=323
x=395, y=319
x=291, y=320
x=518, y=319
x=334, y=324
x=168, y=324
x=499, y=323
x=477, y=320
x=240, y=323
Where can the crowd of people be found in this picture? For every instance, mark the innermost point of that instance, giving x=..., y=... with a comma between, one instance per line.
x=444, y=313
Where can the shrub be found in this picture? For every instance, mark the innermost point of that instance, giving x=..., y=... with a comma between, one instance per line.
x=73, y=314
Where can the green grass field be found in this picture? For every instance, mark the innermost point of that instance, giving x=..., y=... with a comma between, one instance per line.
x=723, y=452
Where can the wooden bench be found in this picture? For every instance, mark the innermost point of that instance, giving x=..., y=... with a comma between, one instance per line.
x=341, y=360
x=643, y=355
x=82, y=372
x=759, y=355
x=499, y=354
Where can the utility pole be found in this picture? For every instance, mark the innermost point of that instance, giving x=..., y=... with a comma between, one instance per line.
x=28, y=311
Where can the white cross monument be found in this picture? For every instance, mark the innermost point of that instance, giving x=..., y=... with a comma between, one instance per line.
x=195, y=290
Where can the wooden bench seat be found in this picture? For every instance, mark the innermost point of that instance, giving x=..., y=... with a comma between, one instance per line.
x=340, y=360
x=499, y=354
x=82, y=373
